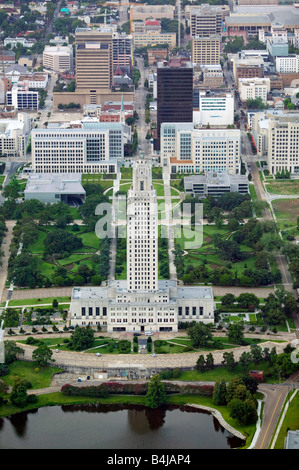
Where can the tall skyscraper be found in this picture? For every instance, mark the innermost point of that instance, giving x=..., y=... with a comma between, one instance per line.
x=142, y=232
x=94, y=58
x=174, y=94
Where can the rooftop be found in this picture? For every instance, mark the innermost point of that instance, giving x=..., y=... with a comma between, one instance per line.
x=59, y=183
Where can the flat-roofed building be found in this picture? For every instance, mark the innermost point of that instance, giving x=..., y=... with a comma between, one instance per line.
x=58, y=58
x=144, y=12
x=92, y=147
x=215, y=108
x=153, y=38
x=206, y=50
x=49, y=188
x=280, y=142
x=186, y=149
x=206, y=20
x=215, y=184
x=253, y=88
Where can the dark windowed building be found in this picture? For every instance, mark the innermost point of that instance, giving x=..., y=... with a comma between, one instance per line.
x=174, y=94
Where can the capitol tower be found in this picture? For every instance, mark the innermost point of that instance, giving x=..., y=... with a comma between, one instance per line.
x=142, y=231
x=142, y=302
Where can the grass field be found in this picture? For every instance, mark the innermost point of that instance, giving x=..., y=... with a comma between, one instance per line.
x=286, y=187
x=291, y=422
x=286, y=211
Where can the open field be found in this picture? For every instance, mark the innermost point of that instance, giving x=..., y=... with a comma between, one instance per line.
x=286, y=210
x=287, y=187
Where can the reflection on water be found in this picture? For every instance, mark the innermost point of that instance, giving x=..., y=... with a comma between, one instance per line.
x=115, y=427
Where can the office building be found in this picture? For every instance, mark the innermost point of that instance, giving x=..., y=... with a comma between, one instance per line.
x=278, y=137
x=174, y=94
x=206, y=50
x=206, y=20
x=212, y=76
x=152, y=38
x=215, y=108
x=288, y=64
x=143, y=12
x=187, y=149
x=20, y=97
x=122, y=47
x=14, y=135
x=141, y=303
x=58, y=58
x=253, y=88
x=94, y=147
x=215, y=184
x=94, y=59
x=247, y=67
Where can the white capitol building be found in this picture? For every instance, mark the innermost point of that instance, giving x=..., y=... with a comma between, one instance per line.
x=142, y=302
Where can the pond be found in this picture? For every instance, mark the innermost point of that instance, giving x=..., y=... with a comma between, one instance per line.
x=114, y=427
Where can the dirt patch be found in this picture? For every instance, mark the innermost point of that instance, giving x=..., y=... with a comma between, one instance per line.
x=288, y=208
x=215, y=266
x=207, y=239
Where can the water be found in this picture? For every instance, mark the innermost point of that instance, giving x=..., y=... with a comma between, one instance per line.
x=114, y=427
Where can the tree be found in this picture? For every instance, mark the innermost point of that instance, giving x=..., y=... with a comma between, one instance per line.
x=11, y=317
x=156, y=394
x=82, y=338
x=210, y=362
x=199, y=334
x=219, y=394
x=256, y=353
x=12, y=350
x=42, y=355
x=228, y=300
x=235, y=333
x=18, y=396
x=201, y=363
x=245, y=361
x=229, y=360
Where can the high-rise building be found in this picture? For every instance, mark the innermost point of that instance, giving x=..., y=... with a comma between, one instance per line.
x=142, y=303
x=186, y=149
x=94, y=59
x=206, y=20
x=278, y=140
x=174, y=94
x=206, y=50
x=96, y=147
x=142, y=252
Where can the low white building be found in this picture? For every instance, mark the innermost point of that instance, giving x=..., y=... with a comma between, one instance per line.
x=14, y=135
x=13, y=42
x=49, y=188
x=253, y=88
x=215, y=184
x=289, y=64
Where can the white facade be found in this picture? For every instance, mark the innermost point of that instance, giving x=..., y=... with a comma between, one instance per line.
x=14, y=135
x=13, y=42
x=20, y=97
x=253, y=88
x=94, y=148
x=288, y=64
x=186, y=149
x=58, y=58
x=141, y=303
x=215, y=109
x=281, y=142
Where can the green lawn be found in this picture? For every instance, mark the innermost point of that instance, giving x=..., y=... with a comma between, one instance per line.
x=27, y=370
x=291, y=422
x=35, y=302
x=286, y=187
